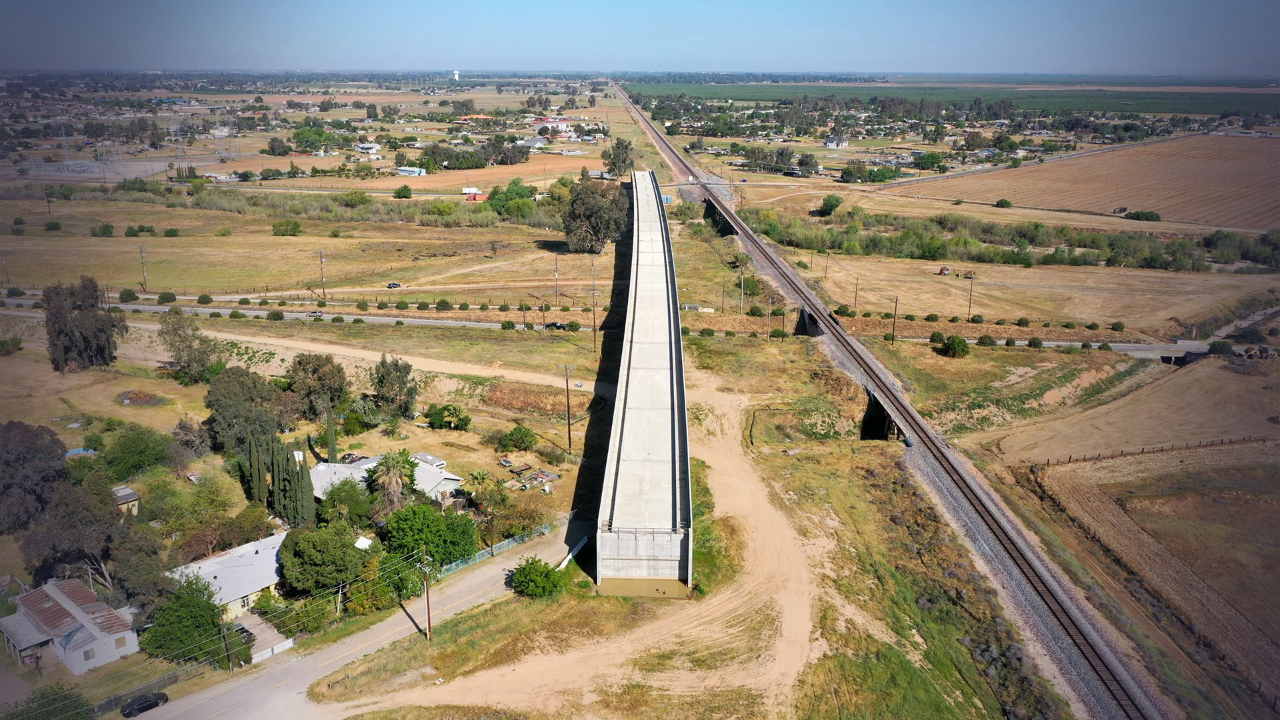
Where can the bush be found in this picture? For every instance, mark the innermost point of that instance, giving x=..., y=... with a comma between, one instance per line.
x=524, y=307
x=443, y=305
x=223, y=231
x=842, y=311
x=754, y=334
x=977, y=320
x=484, y=307
x=357, y=321
x=131, y=231
x=573, y=326
x=1119, y=327
x=1086, y=345
x=1248, y=335
x=684, y=330
x=275, y=315
x=128, y=296
x=1000, y=321
x=286, y=227
x=931, y=317
x=528, y=326
x=37, y=305
x=535, y=578
x=1093, y=326
x=103, y=230
x=866, y=314
x=19, y=221
x=166, y=297
x=886, y=316
x=402, y=193
x=508, y=325
x=1069, y=325
x=317, y=320
x=707, y=332
x=777, y=333
x=1221, y=347
x=986, y=341
x=1002, y=203
x=402, y=305
x=1011, y=343
x=1047, y=325
x=518, y=438
x=954, y=319
x=381, y=305
x=730, y=333
x=501, y=308
x=1105, y=347
x=321, y=303
x=956, y=347
x=361, y=305
x=1273, y=332
x=244, y=301
x=937, y=337
x=564, y=308
x=802, y=265
x=337, y=319
x=204, y=299
x=778, y=312
x=888, y=337
x=1144, y=215
x=1035, y=343
x=53, y=225
x=755, y=311
x=909, y=317
x=1023, y=322
x=399, y=322
x=464, y=305
x=829, y=205
x=237, y=315
x=17, y=231
x=215, y=314
x=171, y=232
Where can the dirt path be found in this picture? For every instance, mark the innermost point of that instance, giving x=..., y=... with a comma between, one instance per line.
x=774, y=577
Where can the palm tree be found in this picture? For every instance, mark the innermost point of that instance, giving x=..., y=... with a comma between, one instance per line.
x=392, y=472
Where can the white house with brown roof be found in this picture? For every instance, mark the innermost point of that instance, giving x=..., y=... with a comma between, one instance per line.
x=66, y=617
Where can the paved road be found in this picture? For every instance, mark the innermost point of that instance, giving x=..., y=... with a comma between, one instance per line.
x=256, y=311
x=276, y=689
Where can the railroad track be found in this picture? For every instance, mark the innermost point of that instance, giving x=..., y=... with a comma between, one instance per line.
x=1058, y=604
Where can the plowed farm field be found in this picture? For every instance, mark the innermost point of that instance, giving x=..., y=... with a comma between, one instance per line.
x=1215, y=180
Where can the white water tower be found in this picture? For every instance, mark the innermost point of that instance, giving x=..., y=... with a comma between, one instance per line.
x=455, y=76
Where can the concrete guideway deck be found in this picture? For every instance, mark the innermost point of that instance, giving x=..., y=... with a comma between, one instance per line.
x=644, y=537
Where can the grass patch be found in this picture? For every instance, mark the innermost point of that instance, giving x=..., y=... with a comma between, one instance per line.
x=343, y=630
x=717, y=542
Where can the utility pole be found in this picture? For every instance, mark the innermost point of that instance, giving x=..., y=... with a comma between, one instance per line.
x=557, y=280
x=827, y=264
x=143, y=250
x=855, y=293
x=741, y=290
x=893, y=334
x=970, y=299
x=323, y=293
x=594, y=325
x=568, y=418
x=426, y=583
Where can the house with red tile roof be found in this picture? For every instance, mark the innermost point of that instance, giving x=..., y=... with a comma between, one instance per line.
x=66, y=618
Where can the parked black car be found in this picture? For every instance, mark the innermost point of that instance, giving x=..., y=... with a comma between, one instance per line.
x=245, y=634
x=554, y=326
x=393, y=286
x=143, y=703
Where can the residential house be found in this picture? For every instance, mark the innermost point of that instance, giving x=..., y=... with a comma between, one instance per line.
x=368, y=148
x=126, y=499
x=67, y=618
x=410, y=171
x=429, y=476
x=836, y=142
x=239, y=575
x=537, y=142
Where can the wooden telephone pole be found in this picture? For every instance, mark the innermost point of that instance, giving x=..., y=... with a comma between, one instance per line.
x=568, y=416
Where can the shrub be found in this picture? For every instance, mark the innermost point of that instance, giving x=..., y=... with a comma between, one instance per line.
x=484, y=307
x=1085, y=345
x=53, y=225
x=275, y=315
x=986, y=341
x=1023, y=322
x=888, y=337
x=443, y=305
x=1046, y=325
x=564, y=308
x=778, y=312
x=1069, y=325
x=337, y=319
x=361, y=305
x=264, y=302
x=707, y=332
x=464, y=305
x=37, y=305
x=573, y=326
x=1248, y=335
x=103, y=230
x=508, y=325
x=524, y=307
x=1002, y=203
x=131, y=231
x=19, y=221
x=402, y=305
x=684, y=330
x=909, y=317
x=730, y=333
x=1105, y=347
x=244, y=301
x=755, y=311
x=606, y=307
x=286, y=227
x=528, y=326
x=321, y=303
x=1119, y=327
x=127, y=295
x=518, y=438
x=802, y=265
x=402, y=193
x=1035, y=343
x=866, y=314
x=886, y=316
x=399, y=322
x=1273, y=332
x=1220, y=347
x=956, y=347
x=777, y=333
x=842, y=311
x=1011, y=343
x=535, y=578
x=223, y=231
x=215, y=314
x=502, y=308
x=1145, y=215
x=977, y=320
x=17, y=231
x=204, y=299
x=1000, y=321
x=317, y=320
x=755, y=334
x=237, y=315
x=357, y=321
x=1093, y=326
x=381, y=305
x=166, y=297
x=954, y=319
x=937, y=337
x=171, y=232
x=335, y=233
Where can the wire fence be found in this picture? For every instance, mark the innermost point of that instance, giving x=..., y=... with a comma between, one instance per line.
x=490, y=552
x=1155, y=449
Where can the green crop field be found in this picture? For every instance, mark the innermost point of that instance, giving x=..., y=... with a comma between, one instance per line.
x=1197, y=103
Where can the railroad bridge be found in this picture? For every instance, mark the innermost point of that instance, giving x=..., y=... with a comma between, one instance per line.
x=644, y=536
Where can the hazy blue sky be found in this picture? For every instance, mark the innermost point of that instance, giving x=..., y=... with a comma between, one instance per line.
x=1182, y=37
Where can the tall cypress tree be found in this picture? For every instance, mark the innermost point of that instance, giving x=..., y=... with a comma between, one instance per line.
x=333, y=441
x=304, y=495
x=260, y=475
x=279, y=484
x=252, y=486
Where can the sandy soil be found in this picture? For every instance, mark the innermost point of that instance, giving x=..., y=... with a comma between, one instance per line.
x=1144, y=300
x=1207, y=179
x=771, y=576
x=1078, y=487
x=1202, y=402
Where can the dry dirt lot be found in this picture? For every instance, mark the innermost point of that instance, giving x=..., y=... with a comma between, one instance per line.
x=1208, y=400
x=1206, y=179
x=1144, y=300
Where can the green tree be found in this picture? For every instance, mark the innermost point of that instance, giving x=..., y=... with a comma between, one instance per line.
x=830, y=204
x=596, y=216
x=1221, y=347
x=312, y=560
x=394, y=389
x=518, y=438
x=187, y=625
x=81, y=333
x=55, y=701
x=319, y=381
x=392, y=475
x=535, y=578
x=196, y=356
x=278, y=147
x=257, y=484
x=346, y=501
x=32, y=466
x=242, y=404
x=618, y=158
x=403, y=192
x=447, y=538
x=76, y=529
x=956, y=347
x=286, y=227
x=134, y=449
x=447, y=417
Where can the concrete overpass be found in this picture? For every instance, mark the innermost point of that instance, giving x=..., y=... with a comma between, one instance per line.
x=644, y=539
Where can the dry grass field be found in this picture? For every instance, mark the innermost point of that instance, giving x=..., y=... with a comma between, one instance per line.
x=1205, y=179
x=1145, y=300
